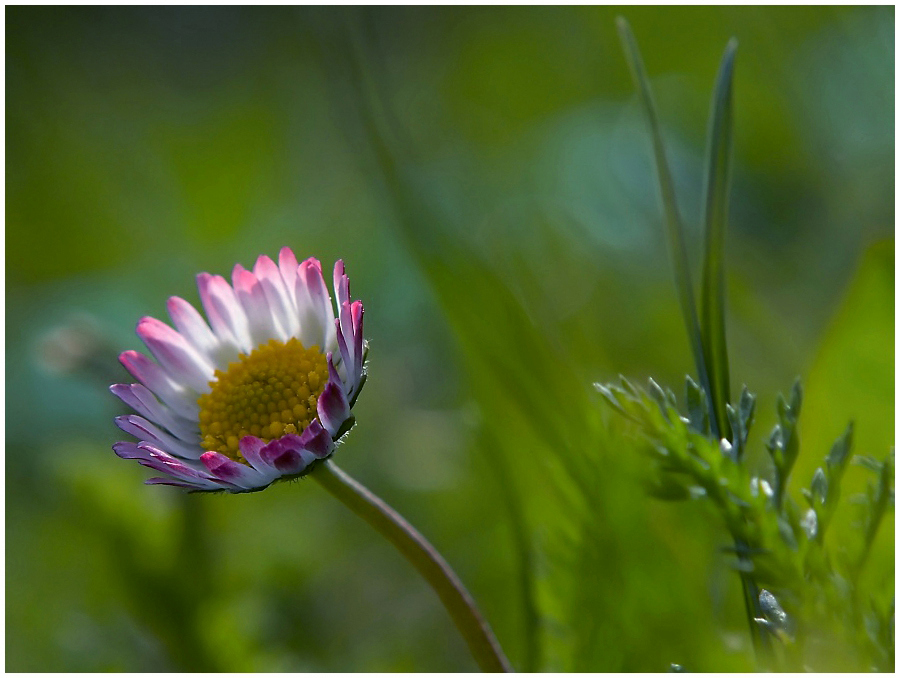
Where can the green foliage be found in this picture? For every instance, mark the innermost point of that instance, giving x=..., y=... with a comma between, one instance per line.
x=783, y=443
x=702, y=455
x=815, y=594
x=777, y=543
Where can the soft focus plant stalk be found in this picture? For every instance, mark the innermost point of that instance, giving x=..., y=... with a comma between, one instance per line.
x=424, y=557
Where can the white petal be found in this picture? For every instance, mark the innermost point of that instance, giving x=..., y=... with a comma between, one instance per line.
x=252, y=298
x=175, y=354
x=281, y=303
x=142, y=400
x=193, y=327
x=157, y=380
x=225, y=314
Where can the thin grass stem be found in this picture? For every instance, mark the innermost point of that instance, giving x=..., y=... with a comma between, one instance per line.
x=715, y=222
x=424, y=557
x=674, y=229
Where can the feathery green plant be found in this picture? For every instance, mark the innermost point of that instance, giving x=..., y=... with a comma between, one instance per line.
x=812, y=610
x=811, y=593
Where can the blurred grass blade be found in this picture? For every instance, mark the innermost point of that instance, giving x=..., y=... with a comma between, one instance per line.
x=525, y=574
x=674, y=229
x=715, y=221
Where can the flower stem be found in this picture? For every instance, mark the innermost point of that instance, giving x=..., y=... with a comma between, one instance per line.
x=423, y=556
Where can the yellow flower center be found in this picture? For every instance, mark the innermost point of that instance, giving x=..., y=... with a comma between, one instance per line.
x=267, y=394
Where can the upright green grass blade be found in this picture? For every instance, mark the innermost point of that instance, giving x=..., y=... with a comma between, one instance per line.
x=674, y=229
x=706, y=354
x=715, y=220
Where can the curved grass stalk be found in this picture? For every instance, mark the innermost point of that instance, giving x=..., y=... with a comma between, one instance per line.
x=424, y=557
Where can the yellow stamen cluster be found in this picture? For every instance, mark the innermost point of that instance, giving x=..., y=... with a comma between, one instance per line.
x=267, y=394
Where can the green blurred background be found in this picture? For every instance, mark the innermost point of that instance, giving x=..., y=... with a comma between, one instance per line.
x=146, y=145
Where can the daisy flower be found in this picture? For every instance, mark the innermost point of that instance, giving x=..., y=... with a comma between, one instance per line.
x=262, y=391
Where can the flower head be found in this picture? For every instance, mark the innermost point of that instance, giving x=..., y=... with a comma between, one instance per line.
x=261, y=392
